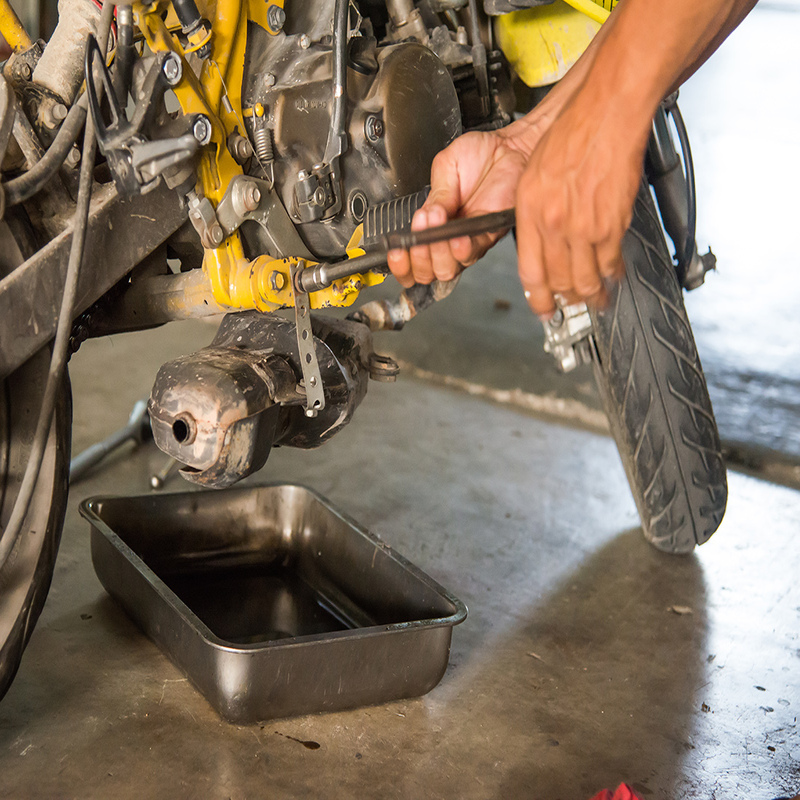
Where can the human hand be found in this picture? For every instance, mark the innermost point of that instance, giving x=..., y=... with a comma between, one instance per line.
x=477, y=174
x=574, y=204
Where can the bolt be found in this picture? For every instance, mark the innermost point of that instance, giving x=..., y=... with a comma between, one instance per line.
x=172, y=69
x=304, y=41
x=276, y=17
x=311, y=413
x=461, y=35
x=216, y=235
x=277, y=280
x=59, y=112
x=73, y=157
x=25, y=71
x=373, y=127
x=251, y=196
x=319, y=197
x=302, y=175
x=557, y=320
x=269, y=78
x=201, y=130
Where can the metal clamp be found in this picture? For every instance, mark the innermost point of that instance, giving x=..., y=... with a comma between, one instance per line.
x=564, y=333
x=312, y=380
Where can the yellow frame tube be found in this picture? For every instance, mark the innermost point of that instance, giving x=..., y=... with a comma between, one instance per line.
x=11, y=28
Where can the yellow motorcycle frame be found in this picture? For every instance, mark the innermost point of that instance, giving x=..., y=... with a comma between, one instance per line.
x=540, y=43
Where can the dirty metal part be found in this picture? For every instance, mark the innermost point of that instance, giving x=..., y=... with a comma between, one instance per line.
x=406, y=20
x=137, y=430
x=392, y=315
x=158, y=480
x=322, y=275
x=566, y=335
x=19, y=68
x=60, y=69
x=8, y=112
x=136, y=157
x=416, y=126
x=28, y=141
x=221, y=409
x=153, y=300
x=204, y=219
x=268, y=211
x=383, y=368
x=312, y=380
x=391, y=217
x=121, y=232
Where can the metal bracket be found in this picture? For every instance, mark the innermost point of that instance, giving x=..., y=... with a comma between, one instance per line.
x=315, y=394
x=563, y=334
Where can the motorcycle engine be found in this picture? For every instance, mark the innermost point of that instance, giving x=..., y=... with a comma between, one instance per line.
x=402, y=108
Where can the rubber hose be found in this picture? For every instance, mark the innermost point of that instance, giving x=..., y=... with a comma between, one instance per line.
x=35, y=179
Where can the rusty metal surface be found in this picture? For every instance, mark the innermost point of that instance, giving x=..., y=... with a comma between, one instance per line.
x=121, y=233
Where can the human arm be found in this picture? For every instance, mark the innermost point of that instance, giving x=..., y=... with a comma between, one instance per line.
x=573, y=165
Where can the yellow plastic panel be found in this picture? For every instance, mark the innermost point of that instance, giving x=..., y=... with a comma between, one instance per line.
x=542, y=43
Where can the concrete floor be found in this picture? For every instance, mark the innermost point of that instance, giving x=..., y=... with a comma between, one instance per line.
x=572, y=671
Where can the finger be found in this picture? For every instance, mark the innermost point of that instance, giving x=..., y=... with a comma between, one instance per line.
x=443, y=263
x=467, y=250
x=421, y=258
x=557, y=263
x=532, y=273
x=445, y=183
x=610, y=263
x=400, y=265
x=586, y=279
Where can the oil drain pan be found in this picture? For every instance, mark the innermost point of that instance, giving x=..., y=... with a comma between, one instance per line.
x=271, y=601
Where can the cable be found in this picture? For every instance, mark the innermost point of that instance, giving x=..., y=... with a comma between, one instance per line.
x=685, y=258
x=34, y=180
x=22, y=502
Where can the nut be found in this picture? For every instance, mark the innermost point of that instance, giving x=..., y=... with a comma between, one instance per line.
x=277, y=281
x=373, y=128
x=172, y=69
x=201, y=130
x=276, y=18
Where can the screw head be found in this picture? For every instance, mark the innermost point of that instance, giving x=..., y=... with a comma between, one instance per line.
x=557, y=320
x=59, y=112
x=305, y=42
x=25, y=71
x=172, y=69
x=73, y=157
x=269, y=78
x=251, y=196
x=319, y=196
x=201, y=130
x=373, y=127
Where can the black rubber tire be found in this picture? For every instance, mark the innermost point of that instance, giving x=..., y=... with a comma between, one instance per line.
x=25, y=577
x=655, y=394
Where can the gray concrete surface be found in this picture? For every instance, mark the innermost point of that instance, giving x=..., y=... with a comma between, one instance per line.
x=571, y=672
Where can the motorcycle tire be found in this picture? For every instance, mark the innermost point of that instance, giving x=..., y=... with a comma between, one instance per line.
x=655, y=395
x=25, y=577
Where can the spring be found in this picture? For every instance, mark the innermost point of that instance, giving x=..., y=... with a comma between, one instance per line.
x=262, y=138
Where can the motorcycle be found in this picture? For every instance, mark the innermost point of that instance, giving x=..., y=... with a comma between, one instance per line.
x=245, y=157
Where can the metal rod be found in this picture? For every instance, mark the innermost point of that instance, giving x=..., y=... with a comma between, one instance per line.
x=320, y=276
